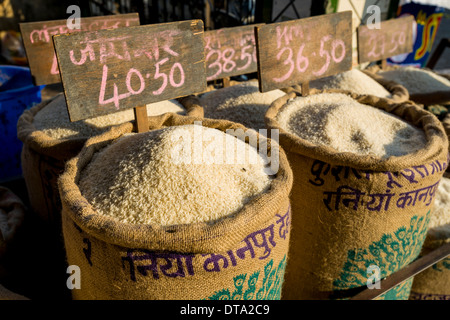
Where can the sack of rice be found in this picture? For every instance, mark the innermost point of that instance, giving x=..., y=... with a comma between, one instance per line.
x=365, y=171
x=168, y=214
x=50, y=139
x=242, y=103
x=364, y=83
x=424, y=85
x=434, y=282
x=12, y=215
x=6, y=294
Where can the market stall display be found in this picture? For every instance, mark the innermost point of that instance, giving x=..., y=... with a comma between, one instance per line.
x=201, y=254
x=165, y=170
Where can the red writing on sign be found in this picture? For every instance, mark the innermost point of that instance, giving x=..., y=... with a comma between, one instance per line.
x=295, y=59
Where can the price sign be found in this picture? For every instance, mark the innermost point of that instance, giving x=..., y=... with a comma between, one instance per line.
x=302, y=50
x=110, y=70
x=230, y=52
x=37, y=40
x=392, y=38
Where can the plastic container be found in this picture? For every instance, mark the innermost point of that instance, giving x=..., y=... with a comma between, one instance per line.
x=17, y=93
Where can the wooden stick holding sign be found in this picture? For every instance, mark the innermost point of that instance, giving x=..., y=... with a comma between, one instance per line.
x=230, y=52
x=298, y=51
x=394, y=37
x=37, y=40
x=112, y=70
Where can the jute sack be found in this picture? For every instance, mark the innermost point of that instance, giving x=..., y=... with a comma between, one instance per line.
x=351, y=211
x=6, y=294
x=12, y=215
x=240, y=257
x=434, y=282
x=43, y=159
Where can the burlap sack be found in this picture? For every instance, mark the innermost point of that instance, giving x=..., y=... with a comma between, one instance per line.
x=427, y=99
x=434, y=282
x=6, y=294
x=351, y=211
x=240, y=257
x=43, y=159
x=12, y=215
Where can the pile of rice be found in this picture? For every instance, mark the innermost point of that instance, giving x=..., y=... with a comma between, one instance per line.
x=417, y=80
x=54, y=120
x=440, y=216
x=139, y=179
x=353, y=80
x=242, y=103
x=338, y=121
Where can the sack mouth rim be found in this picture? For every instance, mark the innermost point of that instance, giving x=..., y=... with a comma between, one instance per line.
x=201, y=237
x=433, y=128
x=39, y=141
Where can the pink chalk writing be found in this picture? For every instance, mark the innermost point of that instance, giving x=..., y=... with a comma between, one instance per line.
x=229, y=55
x=295, y=57
x=45, y=33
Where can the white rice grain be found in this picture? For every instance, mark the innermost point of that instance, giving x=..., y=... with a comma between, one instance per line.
x=136, y=180
x=338, y=121
x=54, y=120
x=353, y=80
x=242, y=103
x=417, y=80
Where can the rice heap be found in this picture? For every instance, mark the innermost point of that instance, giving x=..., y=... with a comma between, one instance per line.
x=141, y=178
x=338, y=121
x=242, y=103
x=417, y=80
x=440, y=216
x=353, y=80
x=54, y=120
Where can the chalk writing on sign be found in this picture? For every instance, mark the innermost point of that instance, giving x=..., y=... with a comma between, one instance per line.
x=230, y=52
x=394, y=37
x=110, y=70
x=37, y=38
x=299, y=51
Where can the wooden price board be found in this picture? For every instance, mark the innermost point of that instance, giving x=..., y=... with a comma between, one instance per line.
x=392, y=38
x=106, y=71
x=37, y=40
x=298, y=51
x=230, y=52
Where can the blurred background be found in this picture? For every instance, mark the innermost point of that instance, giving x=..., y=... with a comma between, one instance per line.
x=218, y=14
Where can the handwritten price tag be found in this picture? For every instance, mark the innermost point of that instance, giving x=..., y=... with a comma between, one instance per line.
x=302, y=50
x=110, y=70
x=37, y=39
x=394, y=37
x=230, y=52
